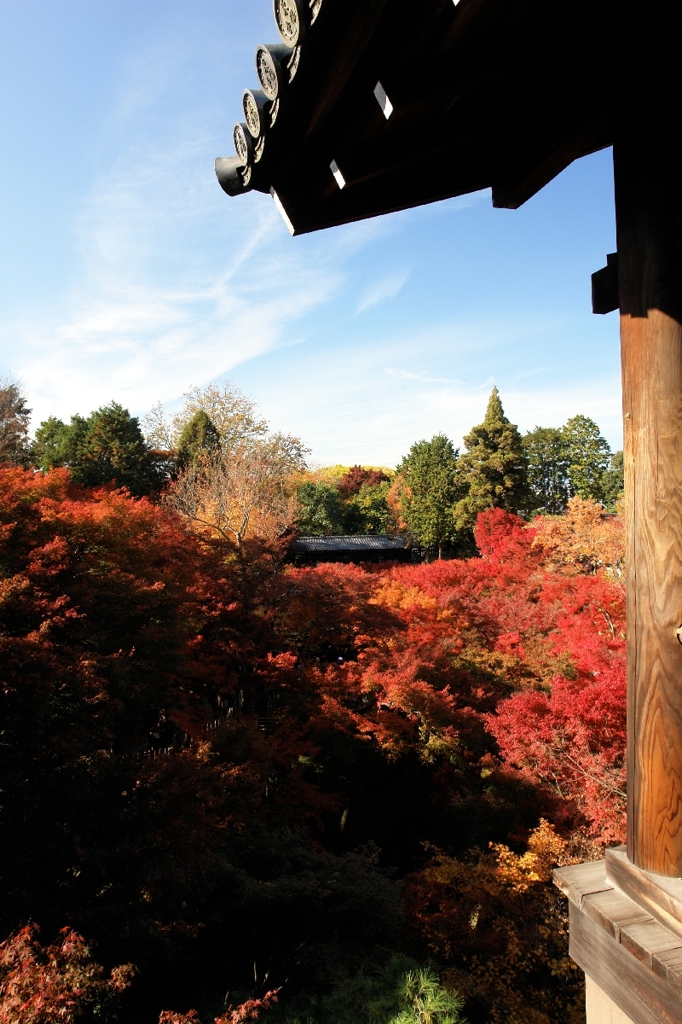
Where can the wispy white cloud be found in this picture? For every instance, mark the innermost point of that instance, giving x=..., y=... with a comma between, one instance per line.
x=177, y=284
x=385, y=288
x=423, y=376
x=365, y=402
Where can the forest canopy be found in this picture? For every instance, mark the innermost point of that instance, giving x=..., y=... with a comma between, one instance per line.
x=234, y=788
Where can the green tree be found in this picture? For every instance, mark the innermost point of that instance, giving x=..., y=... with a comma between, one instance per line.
x=321, y=511
x=588, y=455
x=494, y=466
x=430, y=471
x=14, y=417
x=57, y=443
x=548, y=464
x=398, y=992
x=368, y=511
x=199, y=435
x=106, y=447
x=425, y=1001
x=613, y=481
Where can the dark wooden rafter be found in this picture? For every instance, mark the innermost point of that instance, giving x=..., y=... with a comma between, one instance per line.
x=483, y=93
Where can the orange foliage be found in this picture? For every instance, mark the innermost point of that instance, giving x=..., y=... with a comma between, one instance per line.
x=499, y=923
x=584, y=539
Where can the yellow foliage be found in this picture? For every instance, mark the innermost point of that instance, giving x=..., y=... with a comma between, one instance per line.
x=332, y=474
x=500, y=927
x=545, y=850
x=584, y=539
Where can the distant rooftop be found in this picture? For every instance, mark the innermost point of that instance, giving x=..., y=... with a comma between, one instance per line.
x=352, y=542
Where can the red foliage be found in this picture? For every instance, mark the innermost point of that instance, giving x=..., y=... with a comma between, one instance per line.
x=351, y=482
x=117, y=625
x=53, y=984
x=501, y=536
x=249, y=1010
x=454, y=642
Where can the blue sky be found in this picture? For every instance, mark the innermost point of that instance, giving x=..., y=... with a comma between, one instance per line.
x=127, y=274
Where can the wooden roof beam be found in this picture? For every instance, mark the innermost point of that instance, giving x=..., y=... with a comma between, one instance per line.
x=589, y=138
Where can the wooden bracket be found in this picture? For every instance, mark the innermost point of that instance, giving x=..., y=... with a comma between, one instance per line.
x=605, y=297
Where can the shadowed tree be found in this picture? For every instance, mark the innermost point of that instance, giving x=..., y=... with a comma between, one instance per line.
x=494, y=467
x=613, y=481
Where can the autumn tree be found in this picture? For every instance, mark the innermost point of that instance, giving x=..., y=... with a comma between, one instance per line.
x=55, y=984
x=14, y=420
x=194, y=864
x=497, y=923
x=588, y=455
x=548, y=463
x=358, y=477
x=249, y=1010
x=583, y=539
x=232, y=414
x=432, y=479
x=106, y=447
x=494, y=467
x=247, y=489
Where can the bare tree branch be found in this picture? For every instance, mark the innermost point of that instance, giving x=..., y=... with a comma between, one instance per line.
x=247, y=491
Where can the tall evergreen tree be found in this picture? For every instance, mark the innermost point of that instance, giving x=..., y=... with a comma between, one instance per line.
x=199, y=435
x=14, y=417
x=56, y=443
x=106, y=447
x=589, y=456
x=548, y=464
x=430, y=470
x=494, y=467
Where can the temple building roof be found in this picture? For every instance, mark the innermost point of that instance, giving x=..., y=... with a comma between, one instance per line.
x=370, y=106
x=351, y=542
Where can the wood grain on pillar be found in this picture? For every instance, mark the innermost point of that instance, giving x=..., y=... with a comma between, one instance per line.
x=652, y=410
x=649, y=233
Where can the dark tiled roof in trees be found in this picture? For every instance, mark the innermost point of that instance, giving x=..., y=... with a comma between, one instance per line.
x=352, y=542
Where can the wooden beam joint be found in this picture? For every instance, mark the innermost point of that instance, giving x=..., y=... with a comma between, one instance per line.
x=605, y=298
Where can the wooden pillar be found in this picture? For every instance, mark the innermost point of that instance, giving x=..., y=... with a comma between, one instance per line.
x=649, y=230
